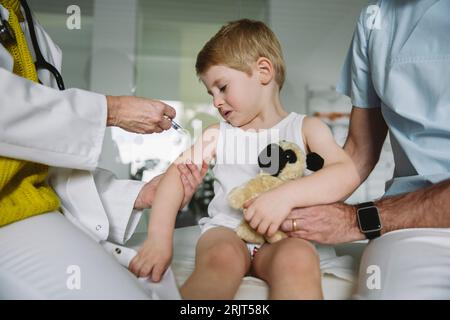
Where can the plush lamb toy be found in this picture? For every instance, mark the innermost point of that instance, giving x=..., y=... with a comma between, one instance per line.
x=279, y=163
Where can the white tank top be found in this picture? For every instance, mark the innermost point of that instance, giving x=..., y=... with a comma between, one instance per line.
x=236, y=163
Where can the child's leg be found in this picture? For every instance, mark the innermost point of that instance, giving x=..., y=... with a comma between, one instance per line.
x=221, y=262
x=291, y=267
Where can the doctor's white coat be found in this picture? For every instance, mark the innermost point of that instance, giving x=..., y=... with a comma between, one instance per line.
x=65, y=130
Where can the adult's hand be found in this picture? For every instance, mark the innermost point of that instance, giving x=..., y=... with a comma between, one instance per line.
x=327, y=224
x=139, y=115
x=191, y=177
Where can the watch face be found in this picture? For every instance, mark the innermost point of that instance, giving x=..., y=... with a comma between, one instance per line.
x=368, y=219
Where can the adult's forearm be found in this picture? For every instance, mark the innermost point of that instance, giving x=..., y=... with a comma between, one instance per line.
x=362, y=158
x=367, y=132
x=112, y=104
x=426, y=208
x=57, y=128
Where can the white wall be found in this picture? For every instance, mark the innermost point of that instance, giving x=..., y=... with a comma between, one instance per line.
x=112, y=67
x=170, y=33
x=315, y=36
x=97, y=57
x=75, y=44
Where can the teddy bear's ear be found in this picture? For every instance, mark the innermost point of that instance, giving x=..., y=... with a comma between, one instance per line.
x=314, y=162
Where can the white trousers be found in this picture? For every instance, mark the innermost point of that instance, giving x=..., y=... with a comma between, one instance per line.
x=406, y=264
x=46, y=257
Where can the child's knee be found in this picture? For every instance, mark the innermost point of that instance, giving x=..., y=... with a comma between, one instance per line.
x=296, y=256
x=224, y=256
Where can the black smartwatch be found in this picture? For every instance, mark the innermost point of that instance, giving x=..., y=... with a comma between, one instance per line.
x=369, y=220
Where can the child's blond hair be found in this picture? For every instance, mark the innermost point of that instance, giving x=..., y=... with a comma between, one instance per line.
x=238, y=45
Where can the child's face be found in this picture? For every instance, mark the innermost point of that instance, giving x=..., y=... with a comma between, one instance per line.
x=235, y=93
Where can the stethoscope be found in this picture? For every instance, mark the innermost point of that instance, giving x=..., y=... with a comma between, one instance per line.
x=7, y=38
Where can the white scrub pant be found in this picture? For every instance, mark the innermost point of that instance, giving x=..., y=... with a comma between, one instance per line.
x=410, y=264
x=46, y=257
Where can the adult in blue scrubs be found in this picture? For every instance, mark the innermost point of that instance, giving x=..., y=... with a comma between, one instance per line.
x=397, y=74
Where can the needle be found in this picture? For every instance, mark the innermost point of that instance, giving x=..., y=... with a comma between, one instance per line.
x=175, y=125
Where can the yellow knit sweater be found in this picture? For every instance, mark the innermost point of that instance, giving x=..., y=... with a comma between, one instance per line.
x=23, y=188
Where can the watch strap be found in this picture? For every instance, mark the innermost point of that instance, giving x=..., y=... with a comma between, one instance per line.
x=367, y=204
x=372, y=234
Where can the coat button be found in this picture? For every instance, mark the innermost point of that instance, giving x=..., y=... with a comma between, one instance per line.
x=98, y=227
x=118, y=251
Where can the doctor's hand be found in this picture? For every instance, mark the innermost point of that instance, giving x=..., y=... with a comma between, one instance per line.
x=139, y=115
x=191, y=178
x=152, y=259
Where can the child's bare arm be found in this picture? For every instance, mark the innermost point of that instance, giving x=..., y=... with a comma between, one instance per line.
x=170, y=193
x=335, y=181
x=154, y=257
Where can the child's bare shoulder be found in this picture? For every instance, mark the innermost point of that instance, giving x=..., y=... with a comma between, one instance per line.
x=212, y=127
x=203, y=148
x=211, y=133
x=210, y=137
x=311, y=123
x=314, y=127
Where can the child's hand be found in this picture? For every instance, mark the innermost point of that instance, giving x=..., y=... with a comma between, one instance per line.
x=266, y=212
x=152, y=260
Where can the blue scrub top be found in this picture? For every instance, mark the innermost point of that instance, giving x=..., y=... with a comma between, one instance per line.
x=399, y=61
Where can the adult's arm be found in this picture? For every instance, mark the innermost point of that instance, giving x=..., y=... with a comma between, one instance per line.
x=337, y=223
x=367, y=132
x=425, y=208
x=44, y=125
x=66, y=128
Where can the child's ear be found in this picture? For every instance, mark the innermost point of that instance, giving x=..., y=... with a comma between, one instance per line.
x=265, y=70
